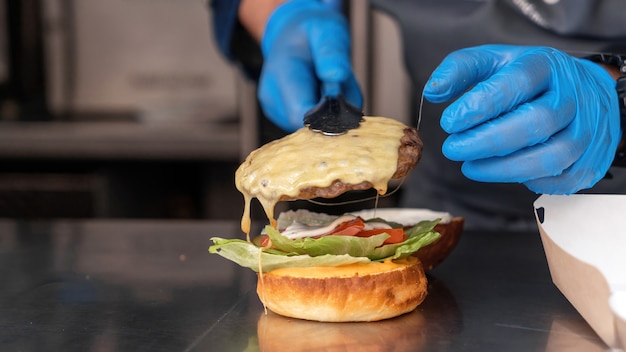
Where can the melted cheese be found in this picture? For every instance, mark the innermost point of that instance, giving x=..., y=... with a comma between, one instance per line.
x=350, y=270
x=308, y=159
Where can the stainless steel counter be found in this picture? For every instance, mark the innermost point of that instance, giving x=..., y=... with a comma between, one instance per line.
x=152, y=286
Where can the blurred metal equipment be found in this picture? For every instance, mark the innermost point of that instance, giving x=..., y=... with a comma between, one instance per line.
x=125, y=79
x=378, y=62
x=142, y=113
x=4, y=58
x=23, y=91
x=155, y=59
x=50, y=195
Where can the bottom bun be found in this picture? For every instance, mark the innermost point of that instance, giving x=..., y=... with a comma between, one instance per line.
x=359, y=292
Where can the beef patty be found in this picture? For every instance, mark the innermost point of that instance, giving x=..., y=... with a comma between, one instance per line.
x=409, y=154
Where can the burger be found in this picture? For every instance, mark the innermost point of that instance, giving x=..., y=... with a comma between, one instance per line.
x=353, y=267
x=358, y=266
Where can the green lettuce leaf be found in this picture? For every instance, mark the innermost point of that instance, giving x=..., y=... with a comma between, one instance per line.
x=323, y=251
x=246, y=254
x=336, y=245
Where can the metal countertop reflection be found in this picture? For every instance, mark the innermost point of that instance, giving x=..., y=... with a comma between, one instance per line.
x=152, y=286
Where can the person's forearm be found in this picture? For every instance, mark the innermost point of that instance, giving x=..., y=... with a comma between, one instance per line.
x=620, y=154
x=253, y=15
x=612, y=70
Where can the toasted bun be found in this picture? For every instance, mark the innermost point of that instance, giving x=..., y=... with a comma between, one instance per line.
x=436, y=252
x=363, y=292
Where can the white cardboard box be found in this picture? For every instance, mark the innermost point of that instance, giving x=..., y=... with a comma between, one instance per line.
x=584, y=237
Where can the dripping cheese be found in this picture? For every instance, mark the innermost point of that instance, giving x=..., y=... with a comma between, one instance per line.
x=282, y=168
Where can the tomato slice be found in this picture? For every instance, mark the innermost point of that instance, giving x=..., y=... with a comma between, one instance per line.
x=348, y=228
x=262, y=241
x=353, y=227
x=397, y=235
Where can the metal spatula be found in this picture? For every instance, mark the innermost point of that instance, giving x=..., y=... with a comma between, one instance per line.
x=333, y=116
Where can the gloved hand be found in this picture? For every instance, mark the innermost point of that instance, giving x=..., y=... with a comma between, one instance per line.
x=532, y=115
x=306, y=51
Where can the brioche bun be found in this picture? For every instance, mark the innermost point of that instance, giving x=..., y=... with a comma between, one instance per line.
x=436, y=252
x=363, y=292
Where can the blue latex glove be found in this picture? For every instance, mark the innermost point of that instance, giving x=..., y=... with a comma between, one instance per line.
x=306, y=51
x=532, y=115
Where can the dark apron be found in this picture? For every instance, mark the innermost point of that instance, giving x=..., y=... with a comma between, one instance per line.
x=430, y=30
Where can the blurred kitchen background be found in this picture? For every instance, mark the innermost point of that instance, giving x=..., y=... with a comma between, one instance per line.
x=125, y=108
